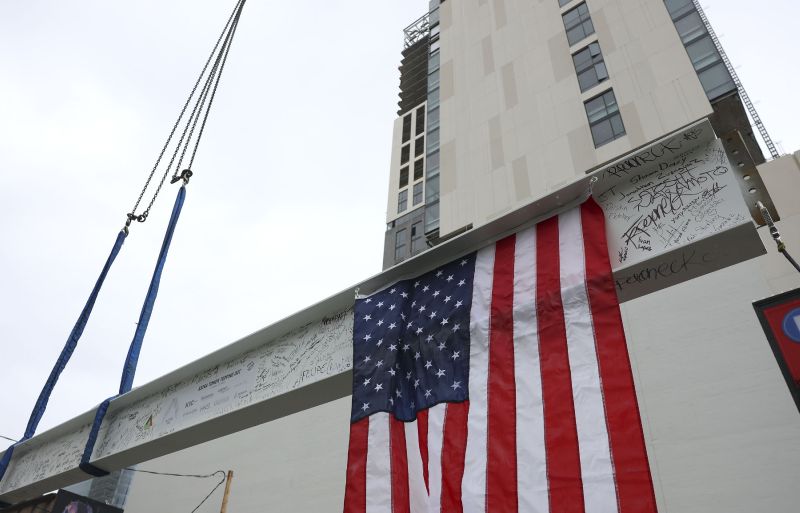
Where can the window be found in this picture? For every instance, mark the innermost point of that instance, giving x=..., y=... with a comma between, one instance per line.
x=604, y=118
x=433, y=140
x=402, y=200
x=578, y=23
x=433, y=163
x=404, y=153
x=403, y=176
x=705, y=57
x=407, y=128
x=678, y=8
x=562, y=3
x=417, y=193
x=419, y=169
x=690, y=27
x=417, y=239
x=400, y=245
x=716, y=80
x=431, y=217
x=432, y=189
x=590, y=67
x=420, y=120
x=419, y=146
x=433, y=118
x=703, y=53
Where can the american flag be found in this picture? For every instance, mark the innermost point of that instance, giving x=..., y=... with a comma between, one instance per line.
x=499, y=383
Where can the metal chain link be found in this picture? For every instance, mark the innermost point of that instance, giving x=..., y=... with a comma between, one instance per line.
x=221, y=53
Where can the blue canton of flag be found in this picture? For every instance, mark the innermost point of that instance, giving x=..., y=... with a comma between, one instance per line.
x=411, y=343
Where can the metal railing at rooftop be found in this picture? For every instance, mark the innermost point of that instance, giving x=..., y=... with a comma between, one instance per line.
x=751, y=109
x=417, y=30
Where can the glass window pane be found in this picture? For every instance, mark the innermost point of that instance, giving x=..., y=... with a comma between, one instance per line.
x=587, y=79
x=562, y=3
x=690, y=27
x=716, y=81
x=571, y=18
x=402, y=200
x=602, y=72
x=433, y=62
x=419, y=146
x=419, y=168
x=433, y=118
x=433, y=163
x=417, y=238
x=595, y=109
x=588, y=27
x=582, y=60
x=433, y=139
x=433, y=98
x=678, y=8
x=407, y=128
x=405, y=153
x=616, y=125
x=417, y=193
x=703, y=53
x=433, y=79
x=574, y=35
x=400, y=244
x=431, y=189
x=420, y=120
x=431, y=217
x=602, y=133
x=403, y=176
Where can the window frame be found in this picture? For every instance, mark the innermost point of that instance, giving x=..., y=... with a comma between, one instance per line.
x=581, y=21
x=592, y=64
x=611, y=111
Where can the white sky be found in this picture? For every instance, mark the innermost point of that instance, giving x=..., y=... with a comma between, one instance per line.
x=287, y=205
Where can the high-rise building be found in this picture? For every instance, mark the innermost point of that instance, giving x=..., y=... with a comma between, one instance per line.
x=504, y=102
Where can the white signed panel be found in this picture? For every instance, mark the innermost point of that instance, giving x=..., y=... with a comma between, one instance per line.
x=666, y=210
x=309, y=354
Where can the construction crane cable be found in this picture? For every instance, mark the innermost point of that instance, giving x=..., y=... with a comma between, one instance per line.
x=211, y=77
x=201, y=109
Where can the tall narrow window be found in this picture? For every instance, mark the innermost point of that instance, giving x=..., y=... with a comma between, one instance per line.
x=706, y=59
x=419, y=169
x=604, y=118
x=590, y=67
x=417, y=193
x=402, y=200
x=400, y=245
x=407, y=128
x=562, y=3
x=578, y=23
x=403, y=176
x=417, y=239
x=405, y=153
x=419, y=146
x=420, y=120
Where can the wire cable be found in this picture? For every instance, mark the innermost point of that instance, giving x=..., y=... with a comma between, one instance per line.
x=202, y=106
x=776, y=234
x=199, y=476
x=9, y=439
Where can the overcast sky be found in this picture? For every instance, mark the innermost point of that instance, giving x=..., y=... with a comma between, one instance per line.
x=288, y=201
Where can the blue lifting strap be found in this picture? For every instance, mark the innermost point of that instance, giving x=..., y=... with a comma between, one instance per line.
x=129, y=370
x=66, y=354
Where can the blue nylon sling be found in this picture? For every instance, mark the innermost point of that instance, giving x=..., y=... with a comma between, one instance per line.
x=66, y=353
x=129, y=369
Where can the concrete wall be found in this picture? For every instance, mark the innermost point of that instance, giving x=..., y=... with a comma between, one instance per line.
x=514, y=127
x=722, y=431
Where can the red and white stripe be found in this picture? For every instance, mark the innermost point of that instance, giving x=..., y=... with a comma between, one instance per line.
x=552, y=424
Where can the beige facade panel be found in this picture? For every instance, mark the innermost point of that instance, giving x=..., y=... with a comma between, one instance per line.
x=508, y=63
